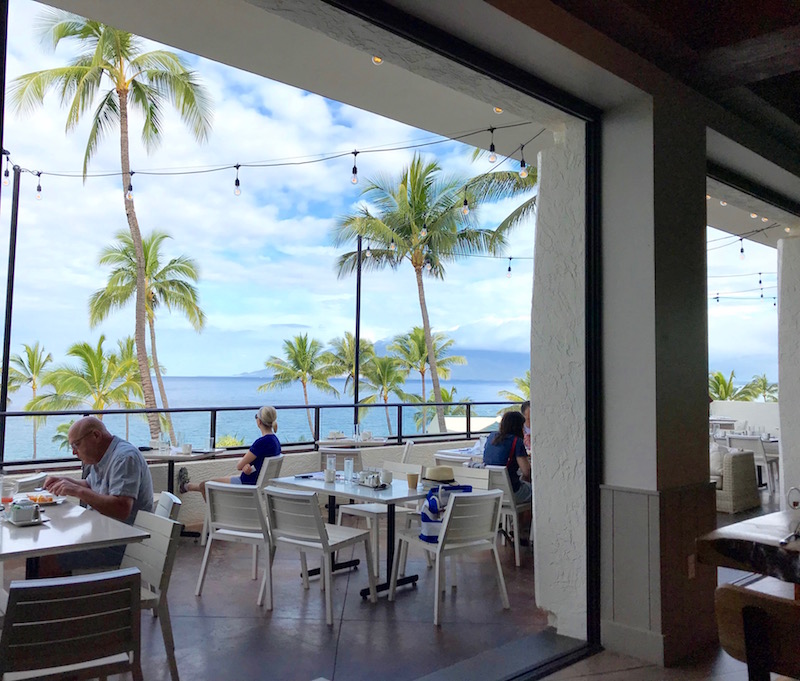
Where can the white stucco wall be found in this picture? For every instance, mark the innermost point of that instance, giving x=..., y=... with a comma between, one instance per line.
x=756, y=414
x=789, y=361
x=557, y=384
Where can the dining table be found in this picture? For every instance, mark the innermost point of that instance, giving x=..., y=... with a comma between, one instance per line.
x=391, y=494
x=174, y=454
x=350, y=443
x=66, y=527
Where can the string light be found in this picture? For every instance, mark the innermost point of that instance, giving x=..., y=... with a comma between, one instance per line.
x=393, y=246
x=39, y=186
x=424, y=231
x=523, y=168
x=741, y=249
x=465, y=209
x=508, y=274
x=368, y=252
x=354, y=179
x=492, y=154
x=129, y=193
x=762, y=287
x=237, y=190
x=5, y=173
x=717, y=296
x=377, y=60
x=428, y=265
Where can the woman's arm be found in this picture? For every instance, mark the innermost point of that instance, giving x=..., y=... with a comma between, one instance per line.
x=244, y=463
x=523, y=463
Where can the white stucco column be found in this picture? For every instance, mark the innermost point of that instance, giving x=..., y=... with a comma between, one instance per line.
x=558, y=414
x=789, y=362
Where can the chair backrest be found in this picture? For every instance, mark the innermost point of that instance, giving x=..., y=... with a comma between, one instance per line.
x=341, y=453
x=45, y=616
x=154, y=556
x=30, y=483
x=453, y=460
x=768, y=642
x=477, y=477
x=270, y=469
x=407, y=451
x=294, y=515
x=499, y=479
x=401, y=469
x=234, y=507
x=751, y=443
x=168, y=506
x=471, y=516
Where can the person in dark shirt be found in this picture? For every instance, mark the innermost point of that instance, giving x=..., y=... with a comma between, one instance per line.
x=250, y=464
x=507, y=448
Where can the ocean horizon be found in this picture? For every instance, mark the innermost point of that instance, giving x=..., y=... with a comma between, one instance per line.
x=229, y=392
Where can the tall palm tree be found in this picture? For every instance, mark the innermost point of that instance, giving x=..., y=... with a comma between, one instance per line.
x=342, y=356
x=497, y=185
x=418, y=218
x=28, y=369
x=126, y=356
x=762, y=388
x=523, y=385
x=449, y=410
x=720, y=388
x=61, y=437
x=303, y=361
x=112, y=69
x=97, y=381
x=170, y=285
x=386, y=377
x=411, y=350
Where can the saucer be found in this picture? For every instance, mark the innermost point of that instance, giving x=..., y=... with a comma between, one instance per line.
x=28, y=523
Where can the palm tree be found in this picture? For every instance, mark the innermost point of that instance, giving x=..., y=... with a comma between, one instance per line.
x=61, y=437
x=97, y=381
x=523, y=385
x=143, y=81
x=411, y=350
x=386, y=377
x=419, y=219
x=303, y=361
x=170, y=285
x=29, y=370
x=127, y=357
x=502, y=184
x=762, y=388
x=342, y=356
x=720, y=388
x=449, y=410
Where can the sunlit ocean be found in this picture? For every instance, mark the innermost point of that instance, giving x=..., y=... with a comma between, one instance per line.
x=242, y=391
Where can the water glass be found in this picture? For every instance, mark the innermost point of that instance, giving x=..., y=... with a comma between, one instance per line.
x=331, y=463
x=209, y=446
x=163, y=444
x=348, y=470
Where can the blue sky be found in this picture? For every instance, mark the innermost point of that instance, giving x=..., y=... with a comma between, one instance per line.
x=266, y=260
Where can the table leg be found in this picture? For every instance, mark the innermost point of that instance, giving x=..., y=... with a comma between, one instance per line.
x=390, y=532
x=32, y=568
x=335, y=565
x=171, y=490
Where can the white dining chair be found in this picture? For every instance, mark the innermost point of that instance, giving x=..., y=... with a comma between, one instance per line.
x=235, y=514
x=82, y=627
x=509, y=512
x=341, y=453
x=295, y=520
x=373, y=513
x=406, y=456
x=154, y=558
x=469, y=525
x=168, y=506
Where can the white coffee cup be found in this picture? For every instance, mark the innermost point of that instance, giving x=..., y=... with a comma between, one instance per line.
x=386, y=476
x=186, y=448
x=330, y=475
x=24, y=511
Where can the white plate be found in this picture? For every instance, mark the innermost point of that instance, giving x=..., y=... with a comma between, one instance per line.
x=28, y=523
x=55, y=501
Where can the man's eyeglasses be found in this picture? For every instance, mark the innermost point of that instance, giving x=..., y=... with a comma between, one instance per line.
x=75, y=443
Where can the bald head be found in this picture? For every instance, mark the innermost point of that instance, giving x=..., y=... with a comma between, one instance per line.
x=89, y=439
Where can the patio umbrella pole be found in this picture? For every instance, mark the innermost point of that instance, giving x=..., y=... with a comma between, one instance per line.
x=358, y=335
x=12, y=257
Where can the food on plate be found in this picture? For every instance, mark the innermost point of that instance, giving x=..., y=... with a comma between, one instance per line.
x=41, y=498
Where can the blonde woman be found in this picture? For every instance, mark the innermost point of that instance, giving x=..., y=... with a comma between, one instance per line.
x=250, y=464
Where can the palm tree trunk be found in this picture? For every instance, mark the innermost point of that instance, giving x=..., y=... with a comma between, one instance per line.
x=136, y=237
x=424, y=411
x=388, y=420
x=308, y=411
x=160, y=381
x=33, y=394
x=426, y=327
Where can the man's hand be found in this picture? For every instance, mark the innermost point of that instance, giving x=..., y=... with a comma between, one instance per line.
x=64, y=487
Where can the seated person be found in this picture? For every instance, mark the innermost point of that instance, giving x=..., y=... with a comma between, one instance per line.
x=506, y=448
x=118, y=485
x=525, y=410
x=250, y=464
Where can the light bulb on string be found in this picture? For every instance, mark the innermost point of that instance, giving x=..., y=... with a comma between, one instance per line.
x=39, y=186
x=424, y=231
x=492, y=155
x=508, y=274
x=428, y=265
x=129, y=193
x=5, y=173
x=393, y=246
x=523, y=167
x=237, y=190
x=465, y=209
x=354, y=178
x=717, y=296
x=760, y=284
x=368, y=252
x=741, y=249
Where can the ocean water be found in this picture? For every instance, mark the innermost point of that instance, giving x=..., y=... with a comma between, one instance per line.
x=241, y=392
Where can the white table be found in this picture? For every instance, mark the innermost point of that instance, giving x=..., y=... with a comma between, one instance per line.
x=348, y=442
x=396, y=492
x=70, y=528
x=175, y=454
x=464, y=452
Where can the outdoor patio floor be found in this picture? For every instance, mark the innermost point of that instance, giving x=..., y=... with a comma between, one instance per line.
x=223, y=634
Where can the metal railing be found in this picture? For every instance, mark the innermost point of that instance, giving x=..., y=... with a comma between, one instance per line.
x=399, y=408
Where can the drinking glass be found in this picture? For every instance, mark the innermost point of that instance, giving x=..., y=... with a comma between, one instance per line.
x=348, y=470
x=331, y=463
x=163, y=444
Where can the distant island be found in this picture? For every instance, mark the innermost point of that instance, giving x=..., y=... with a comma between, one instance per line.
x=482, y=365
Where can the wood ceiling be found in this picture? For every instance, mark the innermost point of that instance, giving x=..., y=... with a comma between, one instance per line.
x=742, y=54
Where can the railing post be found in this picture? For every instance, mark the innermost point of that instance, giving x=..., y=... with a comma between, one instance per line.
x=399, y=424
x=214, y=427
x=317, y=422
x=469, y=422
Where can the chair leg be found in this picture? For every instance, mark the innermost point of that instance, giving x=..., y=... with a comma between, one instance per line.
x=204, y=533
x=166, y=633
x=438, y=586
x=304, y=569
x=326, y=571
x=199, y=589
x=375, y=536
x=453, y=575
x=255, y=562
x=371, y=571
x=501, y=581
x=266, y=581
x=401, y=546
x=515, y=524
x=136, y=671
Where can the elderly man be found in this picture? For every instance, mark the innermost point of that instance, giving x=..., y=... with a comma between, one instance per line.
x=118, y=485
